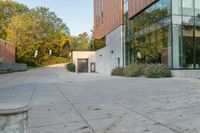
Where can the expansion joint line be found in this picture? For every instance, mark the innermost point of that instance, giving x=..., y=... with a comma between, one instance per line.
x=33, y=92
x=77, y=111
x=145, y=116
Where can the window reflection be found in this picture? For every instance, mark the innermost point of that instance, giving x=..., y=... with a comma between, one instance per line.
x=163, y=30
x=197, y=7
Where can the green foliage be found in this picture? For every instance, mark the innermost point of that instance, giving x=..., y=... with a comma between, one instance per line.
x=157, y=71
x=149, y=53
x=134, y=70
x=80, y=43
x=38, y=29
x=96, y=43
x=71, y=67
x=117, y=71
x=55, y=60
x=7, y=10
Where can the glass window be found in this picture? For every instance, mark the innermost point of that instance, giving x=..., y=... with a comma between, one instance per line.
x=197, y=65
x=197, y=40
x=176, y=19
x=158, y=11
x=188, y=7
x=188, y=20
x=176, y=7
x=151, y=14
x=197, y=7
x=160, y=34
x=151, y=39
x=188, y=50
x=166, y=7
x=188, y=42
x=167, y=21
x=177, y=47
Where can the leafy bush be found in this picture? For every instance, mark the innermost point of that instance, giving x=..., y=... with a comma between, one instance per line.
x=134, y=70
x=118, y=71
x=157, y=71
x=71, y=67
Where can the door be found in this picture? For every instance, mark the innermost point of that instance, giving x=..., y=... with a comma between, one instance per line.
x=82, y=65
x=93, y=67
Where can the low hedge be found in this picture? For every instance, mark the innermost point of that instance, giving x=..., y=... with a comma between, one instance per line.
x=157, y=71
x=117, y=71
x=134, y=70
x=137, y=70
x=71, y=67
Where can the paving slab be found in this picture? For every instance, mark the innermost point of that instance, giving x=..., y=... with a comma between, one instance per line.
x=94, y=103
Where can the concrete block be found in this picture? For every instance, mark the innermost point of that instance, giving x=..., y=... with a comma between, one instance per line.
x=13, y=67
x=186, y=73
x=13, y=118
x=111, y=56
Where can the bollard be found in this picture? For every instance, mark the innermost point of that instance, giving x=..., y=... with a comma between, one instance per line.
x=13, y=118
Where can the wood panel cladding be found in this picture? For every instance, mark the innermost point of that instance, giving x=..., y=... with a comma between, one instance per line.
x=136, y=6
x=108, y=15
x=7, y=52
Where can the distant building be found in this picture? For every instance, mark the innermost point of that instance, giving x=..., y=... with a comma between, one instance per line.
x=85, y=61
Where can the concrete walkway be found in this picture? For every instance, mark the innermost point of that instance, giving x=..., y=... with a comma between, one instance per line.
x=92, y=103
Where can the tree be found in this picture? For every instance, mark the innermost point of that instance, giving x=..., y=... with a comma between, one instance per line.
x=39, y=29
x=96, y=44
x=8, y=9
x=65, y=47
x=25, y=31
x=80, y=42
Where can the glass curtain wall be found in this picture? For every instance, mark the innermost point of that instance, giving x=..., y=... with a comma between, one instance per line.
x=148, y=35
x=167, y=32
x=185, y=29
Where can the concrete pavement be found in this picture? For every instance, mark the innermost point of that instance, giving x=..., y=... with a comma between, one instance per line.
x=62, y=102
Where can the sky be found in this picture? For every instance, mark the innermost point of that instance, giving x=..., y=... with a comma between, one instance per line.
x=77, y=14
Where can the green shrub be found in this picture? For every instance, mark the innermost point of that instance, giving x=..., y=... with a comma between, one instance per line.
x=134, y=70
x=157, y=71
x=71, y=67
x=118, y=71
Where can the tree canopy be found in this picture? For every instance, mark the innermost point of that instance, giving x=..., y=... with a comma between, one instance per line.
x=38, y=30
x=7, y=11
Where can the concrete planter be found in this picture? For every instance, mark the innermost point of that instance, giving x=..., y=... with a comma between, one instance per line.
x=13, y=118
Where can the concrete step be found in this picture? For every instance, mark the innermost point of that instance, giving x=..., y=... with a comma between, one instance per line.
x=186, y=73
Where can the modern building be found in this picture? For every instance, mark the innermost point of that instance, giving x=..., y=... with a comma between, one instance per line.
x=85, y=61
x=108, y=27
x=148, y=31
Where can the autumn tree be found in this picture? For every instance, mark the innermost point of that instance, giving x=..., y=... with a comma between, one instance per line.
x=8, y=9
x=80, y=42
x=39, y=29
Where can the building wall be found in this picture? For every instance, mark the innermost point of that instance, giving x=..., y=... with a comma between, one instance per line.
x=90, y=55
x=109, y=56
x=7, y=52
x=108, y=15
x=136, y=6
